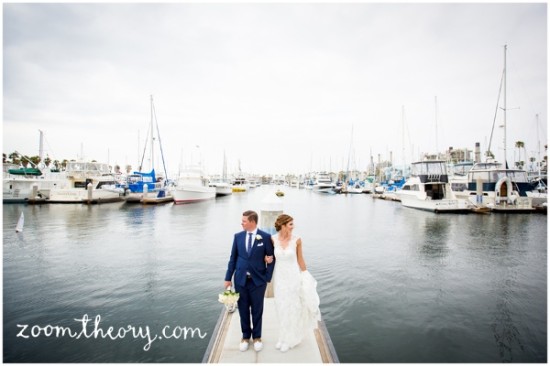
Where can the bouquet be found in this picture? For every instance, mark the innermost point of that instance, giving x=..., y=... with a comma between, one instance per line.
x=229, y=298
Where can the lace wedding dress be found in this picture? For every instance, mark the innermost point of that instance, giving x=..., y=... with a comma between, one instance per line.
x=295, y=293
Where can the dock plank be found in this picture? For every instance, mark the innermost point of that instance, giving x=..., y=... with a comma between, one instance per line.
x=316, y=346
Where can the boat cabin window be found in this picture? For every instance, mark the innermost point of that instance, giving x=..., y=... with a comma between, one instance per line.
x=517, y=176
x=429, y=168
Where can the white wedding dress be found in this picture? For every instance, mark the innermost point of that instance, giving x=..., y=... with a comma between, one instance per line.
x=295, y=294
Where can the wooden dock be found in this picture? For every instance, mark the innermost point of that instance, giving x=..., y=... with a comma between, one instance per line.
x=316, y=347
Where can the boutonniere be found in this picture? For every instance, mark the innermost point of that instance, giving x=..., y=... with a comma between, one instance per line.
x=258, y=237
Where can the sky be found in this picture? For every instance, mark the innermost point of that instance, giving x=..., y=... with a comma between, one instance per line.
x=275, y=87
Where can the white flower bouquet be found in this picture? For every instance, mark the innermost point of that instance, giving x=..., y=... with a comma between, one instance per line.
x=229, y=298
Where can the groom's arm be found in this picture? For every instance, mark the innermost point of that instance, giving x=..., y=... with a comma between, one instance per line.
x=231, y=265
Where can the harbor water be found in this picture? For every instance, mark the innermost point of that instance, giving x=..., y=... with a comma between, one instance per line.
x=130, y=283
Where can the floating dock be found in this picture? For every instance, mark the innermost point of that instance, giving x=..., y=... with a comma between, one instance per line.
x=316, y=347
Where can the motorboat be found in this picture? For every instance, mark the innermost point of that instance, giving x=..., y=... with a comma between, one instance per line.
x=192, y=186
x=28, y=185
x=222, y=188
x=240, y=184
x=85, y=182
x=323, y=183
x=428, y=189
x=499, y=188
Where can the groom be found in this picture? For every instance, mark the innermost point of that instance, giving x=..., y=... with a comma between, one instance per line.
x=247, y=262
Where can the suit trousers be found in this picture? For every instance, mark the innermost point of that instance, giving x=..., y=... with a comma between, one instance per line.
x=251, y=305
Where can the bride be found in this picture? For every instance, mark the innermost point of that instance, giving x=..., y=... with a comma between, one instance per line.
x=294, y=288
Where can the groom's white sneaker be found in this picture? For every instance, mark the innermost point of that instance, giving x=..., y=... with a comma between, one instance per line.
x=243, y=346
x=258, y=345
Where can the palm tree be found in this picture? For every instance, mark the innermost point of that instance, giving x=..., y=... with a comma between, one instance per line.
x=520, y=145
x=15, y=157
x=35, y=160
x=489, y=154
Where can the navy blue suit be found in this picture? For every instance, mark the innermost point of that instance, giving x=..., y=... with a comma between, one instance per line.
x=251, y=288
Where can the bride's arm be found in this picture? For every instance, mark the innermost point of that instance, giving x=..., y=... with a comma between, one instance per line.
x=300, y=256
x=269, y=258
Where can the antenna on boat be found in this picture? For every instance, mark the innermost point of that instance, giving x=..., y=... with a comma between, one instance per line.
x=436, y=133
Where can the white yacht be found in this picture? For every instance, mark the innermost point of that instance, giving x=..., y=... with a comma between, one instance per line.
x=192, y=186
x=28, y=185
x=428, y=188
x=85, y=182
x=323, y=183
x=498, y=188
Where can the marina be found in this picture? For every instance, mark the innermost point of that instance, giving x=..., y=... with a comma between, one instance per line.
x=414, y=172
x=396, y=284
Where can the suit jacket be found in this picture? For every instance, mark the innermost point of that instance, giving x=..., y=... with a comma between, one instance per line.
x=240, y=262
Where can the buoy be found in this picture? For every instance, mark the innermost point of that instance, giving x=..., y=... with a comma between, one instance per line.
x=20, y=223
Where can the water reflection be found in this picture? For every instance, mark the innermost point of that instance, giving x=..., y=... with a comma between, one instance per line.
x=507, y=335
x=436, y=230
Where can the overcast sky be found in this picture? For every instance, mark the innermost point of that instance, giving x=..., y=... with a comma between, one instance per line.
x=278, y=86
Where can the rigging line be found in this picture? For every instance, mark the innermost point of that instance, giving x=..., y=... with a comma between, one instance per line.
x=496, y=111
x=160, y=145
x=144, y=150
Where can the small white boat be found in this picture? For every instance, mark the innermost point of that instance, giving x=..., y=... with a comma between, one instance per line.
x=428, y=189
x=192, y=186
x=240, y=184
x=539, y=194
x=222, y=188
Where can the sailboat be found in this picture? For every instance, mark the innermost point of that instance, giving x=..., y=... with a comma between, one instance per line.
x=492, y=184
x=20, y=223
x=223, y=188
x=147, y=187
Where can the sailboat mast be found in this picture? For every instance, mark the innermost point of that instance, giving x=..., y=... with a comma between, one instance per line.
x=224, y=171
x=504, y=125
x=152, y=137
x=436, y=133
x=403, y=136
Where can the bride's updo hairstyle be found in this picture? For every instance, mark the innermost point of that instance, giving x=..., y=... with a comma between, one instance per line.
x=282, y=220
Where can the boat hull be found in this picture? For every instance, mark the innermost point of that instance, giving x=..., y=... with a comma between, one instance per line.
x=438, y=206
x=192, y=194
x=79, y=195
x=222, y=189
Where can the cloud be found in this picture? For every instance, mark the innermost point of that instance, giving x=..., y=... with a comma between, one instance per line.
x=278, y=86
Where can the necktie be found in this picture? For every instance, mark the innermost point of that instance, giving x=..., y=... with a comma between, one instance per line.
x=249, y=243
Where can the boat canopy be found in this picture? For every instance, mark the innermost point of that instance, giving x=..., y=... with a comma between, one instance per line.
x=25, y=171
